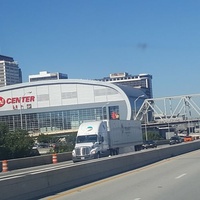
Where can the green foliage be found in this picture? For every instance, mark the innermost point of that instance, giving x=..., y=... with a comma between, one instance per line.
x=42, y=138
x=14, y=144
x=3, y=132
x=18, y=144
x=66, y=146
x=70, y=139
x=152, y=135
x=59, y=144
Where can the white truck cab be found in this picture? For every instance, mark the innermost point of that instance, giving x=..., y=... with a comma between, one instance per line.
x=91, y=141
x=108, y=137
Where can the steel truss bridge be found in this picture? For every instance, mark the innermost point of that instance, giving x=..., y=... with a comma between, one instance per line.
x=175, y=111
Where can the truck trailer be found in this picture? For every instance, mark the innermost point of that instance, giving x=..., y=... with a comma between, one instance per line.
x=107, y=137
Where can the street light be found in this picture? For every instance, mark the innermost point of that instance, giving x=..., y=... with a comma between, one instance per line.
x=145, y=120
x=21, y=121
x=135, y=104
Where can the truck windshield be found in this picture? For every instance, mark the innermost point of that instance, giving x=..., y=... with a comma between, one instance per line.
x=86, y=138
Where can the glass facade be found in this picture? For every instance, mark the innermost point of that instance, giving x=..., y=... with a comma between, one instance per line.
x=58, y=120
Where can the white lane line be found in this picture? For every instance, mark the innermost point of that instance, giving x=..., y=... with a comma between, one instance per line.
x=137, y=199
x=46, y=170
x=3, y=179
x=36, y=171
x=180, y=176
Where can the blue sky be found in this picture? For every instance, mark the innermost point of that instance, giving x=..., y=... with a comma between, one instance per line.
x=89, y=39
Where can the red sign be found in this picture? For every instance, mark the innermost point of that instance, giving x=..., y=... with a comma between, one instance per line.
x=14, y=100
x=2, y=101
x=114, y=115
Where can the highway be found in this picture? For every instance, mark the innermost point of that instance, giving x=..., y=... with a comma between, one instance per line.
x=45, y=168
x=176, y=178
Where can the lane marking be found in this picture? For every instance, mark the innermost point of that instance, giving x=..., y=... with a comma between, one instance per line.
x=180, y=176
x=98, y=182
x=90, y=185
x=32, y=172
x=10, y=178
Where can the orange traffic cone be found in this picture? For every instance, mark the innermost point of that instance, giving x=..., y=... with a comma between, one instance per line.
x=54, y=158
x=4, y=166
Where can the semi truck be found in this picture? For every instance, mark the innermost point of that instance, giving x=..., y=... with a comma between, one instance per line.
x=96, y=139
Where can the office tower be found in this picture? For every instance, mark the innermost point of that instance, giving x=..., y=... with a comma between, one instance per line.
x=10, y=73
x=44, y=75
x=142, y=81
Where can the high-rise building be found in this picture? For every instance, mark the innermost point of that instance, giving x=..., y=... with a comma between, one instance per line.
x=10, y=73
x=142, y=81
x=44, y=75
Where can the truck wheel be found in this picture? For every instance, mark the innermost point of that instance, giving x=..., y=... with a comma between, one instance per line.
x=116, y=151
x=111, y=152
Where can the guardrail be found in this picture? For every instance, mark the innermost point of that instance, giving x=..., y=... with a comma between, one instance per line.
x=34, y=186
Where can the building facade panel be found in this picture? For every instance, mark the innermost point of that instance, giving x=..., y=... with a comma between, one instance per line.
x=85, y=93
x=61, y=105
x=55, y=95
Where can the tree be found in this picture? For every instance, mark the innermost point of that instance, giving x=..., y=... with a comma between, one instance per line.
x=3, y=131
x=42, y=138
x=18, y=144
x=66, y=145
x=14, y=144
x=152, y=135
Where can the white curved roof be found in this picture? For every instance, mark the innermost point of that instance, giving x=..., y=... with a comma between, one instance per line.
x=127, y=89
x=124, y=91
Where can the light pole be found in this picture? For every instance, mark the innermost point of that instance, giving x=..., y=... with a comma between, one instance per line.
x=146, y=134
x=102, y=110
x=21, y=120
x=135, y=107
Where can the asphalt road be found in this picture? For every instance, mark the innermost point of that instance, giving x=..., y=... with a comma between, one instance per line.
x=176, y=178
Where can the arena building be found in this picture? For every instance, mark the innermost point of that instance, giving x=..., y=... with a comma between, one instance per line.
x=57, y=106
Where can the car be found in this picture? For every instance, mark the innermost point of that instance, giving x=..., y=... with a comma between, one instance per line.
x=175, y=140
x=188, y=138
x=149, y=144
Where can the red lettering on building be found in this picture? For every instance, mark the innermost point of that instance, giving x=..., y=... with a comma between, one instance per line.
x=16, y=100
x=2, y=101
x=15, y=107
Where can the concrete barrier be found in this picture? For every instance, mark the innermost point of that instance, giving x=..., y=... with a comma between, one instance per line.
x=35, y=161
x=49, y=182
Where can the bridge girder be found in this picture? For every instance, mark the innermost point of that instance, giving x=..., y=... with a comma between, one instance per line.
x=170, y=109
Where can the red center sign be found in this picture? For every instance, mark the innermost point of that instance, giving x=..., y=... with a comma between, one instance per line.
x=2, y=101
x=13, y=100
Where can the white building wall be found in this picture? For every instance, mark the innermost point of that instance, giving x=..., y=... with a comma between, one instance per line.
x=69, y=94
x=85, y=93
x=44, y=96
x=55, y=95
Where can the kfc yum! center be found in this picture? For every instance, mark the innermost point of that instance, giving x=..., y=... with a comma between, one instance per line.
x=16, y=101
x=62, y=105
